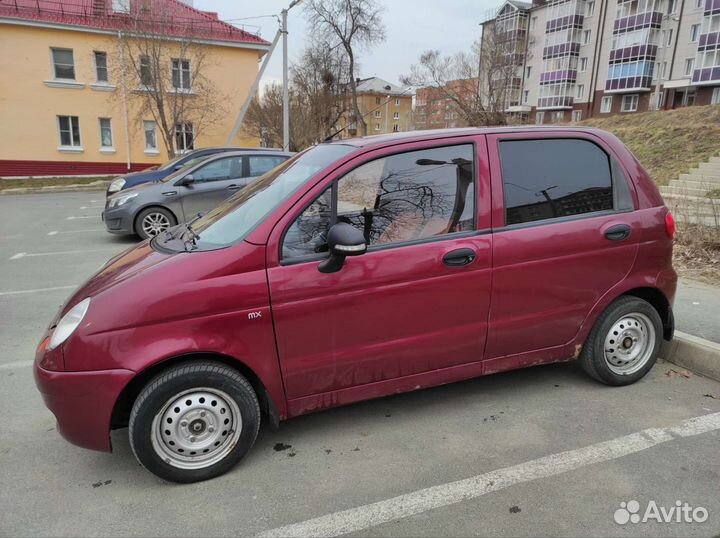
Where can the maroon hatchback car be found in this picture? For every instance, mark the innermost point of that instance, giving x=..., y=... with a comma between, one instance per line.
x=363, y=268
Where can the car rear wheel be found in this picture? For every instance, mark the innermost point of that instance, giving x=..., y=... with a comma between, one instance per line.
x=152, y=221
x=624, y=343
x=194, y=422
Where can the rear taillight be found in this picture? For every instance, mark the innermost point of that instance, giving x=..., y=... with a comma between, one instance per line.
x=669, y=225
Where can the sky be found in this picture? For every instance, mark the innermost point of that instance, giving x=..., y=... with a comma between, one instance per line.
x=412, y=26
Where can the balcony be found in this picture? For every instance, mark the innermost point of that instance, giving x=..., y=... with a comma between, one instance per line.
x=636, y=52
x=569, y=21
x=708, y=41
x=563, y=49
x=651, y=19
x=706, y=75
x=562, y=75
x=556, y=102
x=712, y=7
x=628, y=84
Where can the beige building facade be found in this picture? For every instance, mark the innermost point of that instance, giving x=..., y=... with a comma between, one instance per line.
x=386, y=108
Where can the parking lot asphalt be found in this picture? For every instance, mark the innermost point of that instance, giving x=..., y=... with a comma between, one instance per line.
x=542, y=451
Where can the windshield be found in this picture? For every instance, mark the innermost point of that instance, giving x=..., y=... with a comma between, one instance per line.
x=232, y=220
x=168, y=165
x=181, y=171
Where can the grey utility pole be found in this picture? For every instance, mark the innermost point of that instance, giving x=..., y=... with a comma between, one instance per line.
x=286, y=90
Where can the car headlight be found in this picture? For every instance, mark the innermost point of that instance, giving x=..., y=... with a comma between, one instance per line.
x=116, y=185
x=117, y=201
x=68, y=323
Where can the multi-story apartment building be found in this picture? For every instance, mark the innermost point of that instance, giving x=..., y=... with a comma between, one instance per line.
x=435, y=109
x=385, y=107
x=68, y=107
x=584, y=58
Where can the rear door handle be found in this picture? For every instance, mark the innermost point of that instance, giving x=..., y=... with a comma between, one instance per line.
x=619, y=232
x=459, y=257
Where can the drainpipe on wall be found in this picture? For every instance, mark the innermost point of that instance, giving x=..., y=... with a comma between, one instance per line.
x=125, y=102
x=597, y=53
x=677, y=35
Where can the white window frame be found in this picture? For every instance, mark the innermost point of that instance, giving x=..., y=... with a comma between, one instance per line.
x=580, y=91
x=715, y=98
x=53, y=64
x=606, y=104
x=533, y=23
x=177, y=66
x=377, y=126
x=526, y=96
x=583, y=64
x=539, y=117
x=587, y=36
x=694, y=33
x=111, y=147
x=528, y=71
x=590, y=9
x=121, y=6
x=107, y=71
x=633, y=99
x=576, y=116
x=396, y=128
x=396, y=115
x=688, y=67
x=148, y=126
x=183, y=130
x=72, y=147
x=145, y=59
x=397, y=101
x=378, y=114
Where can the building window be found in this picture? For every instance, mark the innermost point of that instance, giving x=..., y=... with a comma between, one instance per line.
x=664, y=70
x=184, y=139
x=540, y=117
x=533, y=23
x=586, y=36
x=396, y=116
x=63, y=64
x=377, y=126
x=181, y=74
x=106, y=135
x=689, y=64
x=583, y=63
x=590, y=9
x=699, y=4
x=558, y=116
x=528, y=70
x=69, y=128
x=715, y=99
x=378, y=114
x=397, y=101
x=630, y=103
x=606, y=104
x=526, y=96
x=396, y=128
x=672, y=6
x=101, y=69
x=667, y=37
x=694, y=32
x=121, y=6
x=146, y=75
x=546, y=179
x=580, y=91
x=150, y=130
x=377, y=100
x=576, y=115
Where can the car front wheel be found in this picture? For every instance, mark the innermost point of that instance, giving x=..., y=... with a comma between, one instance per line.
x=624, y=342
x=194, y=422
x=152, y=221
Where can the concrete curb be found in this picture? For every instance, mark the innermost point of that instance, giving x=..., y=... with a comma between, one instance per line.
x=94, y=186
x=695, y=354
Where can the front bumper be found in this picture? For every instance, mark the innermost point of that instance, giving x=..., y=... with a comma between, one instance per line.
x=118, y=220
x=82, y=403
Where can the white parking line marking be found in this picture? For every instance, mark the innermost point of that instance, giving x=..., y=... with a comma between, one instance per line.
x=60, y=253
x=18, y=364
x=92, y=207
x=371, y=515
x=56, y=232
x=83, y=217
x=37, y=290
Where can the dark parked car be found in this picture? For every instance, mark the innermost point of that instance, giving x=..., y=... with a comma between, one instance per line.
x=363, y=268
x=186, y=159
x=150, y=208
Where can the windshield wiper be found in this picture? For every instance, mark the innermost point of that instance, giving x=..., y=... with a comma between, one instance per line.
x=190, y=236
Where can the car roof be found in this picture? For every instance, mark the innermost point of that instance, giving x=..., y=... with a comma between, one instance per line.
x=432, y=134
x=234, y=148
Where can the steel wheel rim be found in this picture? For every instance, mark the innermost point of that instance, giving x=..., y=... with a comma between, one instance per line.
x=154, y=223
x=196, y=428
x=629, y=344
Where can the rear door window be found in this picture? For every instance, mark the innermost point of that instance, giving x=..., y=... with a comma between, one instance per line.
x=262, y=164
x=554, y=178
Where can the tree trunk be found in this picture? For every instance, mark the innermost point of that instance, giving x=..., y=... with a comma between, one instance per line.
x=353, y=88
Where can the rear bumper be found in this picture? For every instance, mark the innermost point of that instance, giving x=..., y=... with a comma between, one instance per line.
x=82, y=403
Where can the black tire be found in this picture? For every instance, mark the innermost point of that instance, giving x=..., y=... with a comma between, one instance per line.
x=160, y=212
x=593, y=358
x=154, y=400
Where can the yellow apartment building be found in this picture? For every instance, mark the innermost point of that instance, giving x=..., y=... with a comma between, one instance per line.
x=70, y=105
x=386, y=108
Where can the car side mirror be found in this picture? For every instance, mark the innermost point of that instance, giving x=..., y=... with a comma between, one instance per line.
x=187, y=181
x=343, y=240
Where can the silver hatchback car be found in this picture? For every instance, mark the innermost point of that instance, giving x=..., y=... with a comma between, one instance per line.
x=150, y=208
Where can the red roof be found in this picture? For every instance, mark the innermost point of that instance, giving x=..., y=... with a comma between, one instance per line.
x=178, y=19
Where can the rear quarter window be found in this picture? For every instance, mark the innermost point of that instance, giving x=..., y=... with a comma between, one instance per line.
x=554, y=178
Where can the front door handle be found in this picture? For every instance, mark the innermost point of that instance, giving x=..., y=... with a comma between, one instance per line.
x=459, y=257
x=619, y=232
x=233, y=187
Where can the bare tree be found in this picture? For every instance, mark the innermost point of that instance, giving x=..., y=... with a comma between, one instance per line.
x=350, y=24
x=317, y=102
x=166, y=75
x=479, y=84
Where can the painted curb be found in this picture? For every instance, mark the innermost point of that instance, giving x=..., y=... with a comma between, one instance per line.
x=695, y=354
x=50, y=189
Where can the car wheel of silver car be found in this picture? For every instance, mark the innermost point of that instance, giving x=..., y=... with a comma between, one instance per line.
x=152, y=221
x=194, y=422
x=624, y=342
